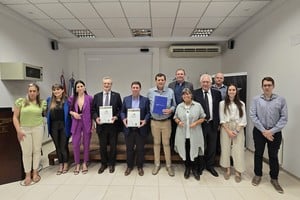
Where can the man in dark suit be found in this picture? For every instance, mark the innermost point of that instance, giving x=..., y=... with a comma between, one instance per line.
x=209, y=99
x=107, y=132
x=135, y=134
x=177, y=86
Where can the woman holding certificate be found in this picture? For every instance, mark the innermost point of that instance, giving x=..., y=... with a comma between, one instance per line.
x=189, y=141
x=80, y=110
x=135, y=115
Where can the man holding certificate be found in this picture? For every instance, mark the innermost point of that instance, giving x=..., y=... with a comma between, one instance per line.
x=135, y=115
x=162, y=106
x=105, y=111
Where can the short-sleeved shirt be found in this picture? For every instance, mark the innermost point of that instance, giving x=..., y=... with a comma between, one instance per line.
x=31, y=115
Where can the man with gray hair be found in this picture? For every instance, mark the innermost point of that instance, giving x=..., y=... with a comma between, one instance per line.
x=209, y=100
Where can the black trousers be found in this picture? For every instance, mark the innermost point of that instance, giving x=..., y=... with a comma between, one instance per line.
x=210, y=142
x=188, y=163
x=273, y=147
x=108, y=136
x=60, y=140
x=135, y=142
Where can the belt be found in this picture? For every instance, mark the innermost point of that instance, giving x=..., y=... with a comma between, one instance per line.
x=160, y=120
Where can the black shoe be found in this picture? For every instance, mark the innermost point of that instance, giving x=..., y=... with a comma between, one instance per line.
x=111, y=169
x=213, y=172
x=140, y=171
x=101, y=169
x=187, y=173
x=196, y=175
x=128, y=171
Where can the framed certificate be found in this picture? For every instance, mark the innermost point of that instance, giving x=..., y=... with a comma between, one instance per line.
x=105, y=113
x=133, y=117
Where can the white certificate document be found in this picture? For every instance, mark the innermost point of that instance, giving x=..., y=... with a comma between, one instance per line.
x=105, y=113
x=133, y=117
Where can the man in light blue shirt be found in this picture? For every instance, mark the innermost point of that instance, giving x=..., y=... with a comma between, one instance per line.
x=161, y=120
x=269, y=115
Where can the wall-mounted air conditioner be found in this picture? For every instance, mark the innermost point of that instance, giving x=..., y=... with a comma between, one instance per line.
x=20, y=71
x=189, y=51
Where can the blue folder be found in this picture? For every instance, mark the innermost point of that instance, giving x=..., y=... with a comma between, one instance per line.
x=160, y=103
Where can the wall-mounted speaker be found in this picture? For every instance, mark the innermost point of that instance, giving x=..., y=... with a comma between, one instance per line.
x=54, y=45
x=230, y=44
x=144, y=50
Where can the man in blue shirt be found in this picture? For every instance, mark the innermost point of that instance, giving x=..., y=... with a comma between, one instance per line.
x=269, y=115
x=162, y=106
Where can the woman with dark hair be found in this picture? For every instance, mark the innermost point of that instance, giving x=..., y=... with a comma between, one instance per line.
x=232, y=138
x=59, y=125
x=80, y=110
x=28, y=121
x=189, y=141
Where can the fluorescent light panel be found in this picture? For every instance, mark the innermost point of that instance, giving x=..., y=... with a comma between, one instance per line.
x=202, y=32
x=82, y=33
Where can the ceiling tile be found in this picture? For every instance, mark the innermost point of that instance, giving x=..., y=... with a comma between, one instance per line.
x=192, y=9
x=28, y=11
x=5, y=2
x=219, y=9
x=122, y=33
x=222, y=32
x=116, y=22
x=163, y=9
x=55, y=10
x=102, y=33
x=233, y=21
x=186, y=22
x=44, y=1
x=72, y=1
x=163, y=22
x=210, y=22
x=48, y=23
x=96, y=23
x=248, y=8
x=139, y=22
x=62, y=33
x=161, y=32
x=82, y=10
x=109, y=9
x=182, y=32
x=136, y=9
x=70, y=23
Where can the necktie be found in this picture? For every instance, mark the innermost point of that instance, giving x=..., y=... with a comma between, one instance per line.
x=206, y=106
x=106, y=99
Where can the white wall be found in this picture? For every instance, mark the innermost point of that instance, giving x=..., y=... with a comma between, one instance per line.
x=21, y=41
x=268, y=49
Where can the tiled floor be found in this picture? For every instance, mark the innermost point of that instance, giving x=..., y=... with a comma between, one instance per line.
x=93, y=186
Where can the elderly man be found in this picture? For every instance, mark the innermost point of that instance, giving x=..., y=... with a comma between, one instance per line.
x=162, y=107
x=269, y=115
x=209, y=100
x=107, y=131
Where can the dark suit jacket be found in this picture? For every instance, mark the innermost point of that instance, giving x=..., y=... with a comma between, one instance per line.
x=216, y=98
x=115, y=102
x=144, y=109
x=185, y=85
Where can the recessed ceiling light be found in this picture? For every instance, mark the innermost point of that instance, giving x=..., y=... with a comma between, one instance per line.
x=82, y=33
x=202, y=32
x=141, y=32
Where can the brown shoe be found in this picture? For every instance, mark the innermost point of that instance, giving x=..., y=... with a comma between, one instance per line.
x=238, y=177
x=276, y=185
x=256, y=180
x=128, y=171
x=141, y=171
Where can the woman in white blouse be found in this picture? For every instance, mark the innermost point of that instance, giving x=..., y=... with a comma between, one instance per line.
x=232, y=138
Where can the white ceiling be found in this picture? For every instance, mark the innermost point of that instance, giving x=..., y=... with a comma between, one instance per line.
x=112, y=20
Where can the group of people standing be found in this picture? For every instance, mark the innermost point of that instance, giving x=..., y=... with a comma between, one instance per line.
x=190, y=122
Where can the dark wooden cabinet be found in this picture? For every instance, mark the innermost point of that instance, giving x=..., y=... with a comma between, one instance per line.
x=11, y=167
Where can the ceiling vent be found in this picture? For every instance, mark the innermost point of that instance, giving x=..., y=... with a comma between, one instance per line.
x=190, y=51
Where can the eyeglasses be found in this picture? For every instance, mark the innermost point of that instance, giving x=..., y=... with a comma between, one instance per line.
x=267, y=85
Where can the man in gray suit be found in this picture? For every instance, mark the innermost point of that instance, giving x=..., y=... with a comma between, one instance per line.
x=177, y=86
